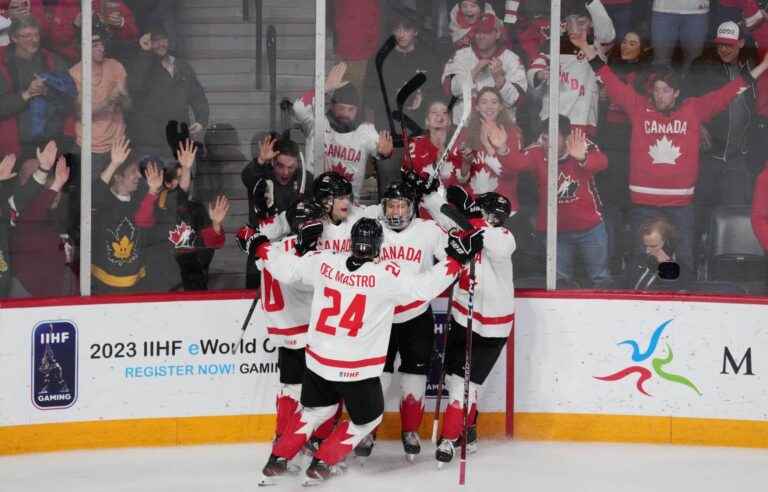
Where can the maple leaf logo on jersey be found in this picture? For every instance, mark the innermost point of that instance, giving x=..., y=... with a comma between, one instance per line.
x=493, y=163
x=121, y=248
x=339, y=168
x=453, y=267
x=566, y=188
x=181, y=235
x=483, y=182
x=664, y=151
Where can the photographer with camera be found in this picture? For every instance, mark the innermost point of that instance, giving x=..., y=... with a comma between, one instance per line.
x=658, y=269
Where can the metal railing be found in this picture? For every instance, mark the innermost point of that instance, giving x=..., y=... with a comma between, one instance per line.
x=272, y=61
x=253, y=11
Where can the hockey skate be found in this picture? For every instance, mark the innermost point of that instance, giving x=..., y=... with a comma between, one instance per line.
x=318, y=472
x=364, y=448
x=445, y=451
x=411, y=445
x=275, y=468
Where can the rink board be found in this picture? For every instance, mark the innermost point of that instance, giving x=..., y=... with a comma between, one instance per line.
x=143, y=372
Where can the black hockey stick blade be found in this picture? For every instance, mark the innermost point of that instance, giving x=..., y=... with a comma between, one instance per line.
x=413, y=128
x=409, y=88
x=384, y=51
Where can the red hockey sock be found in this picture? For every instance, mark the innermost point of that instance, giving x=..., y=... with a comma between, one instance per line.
x=333, y=449
x=326, y=427
x=286, y=407
x=453, y=421
x=411, y=412
x=292, y=439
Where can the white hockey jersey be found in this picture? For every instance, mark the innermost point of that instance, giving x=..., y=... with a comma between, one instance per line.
x=345, y=153
x=494, y=300
x=285, y=306
x=578, y=87
x=352, y=311
x=459, y=68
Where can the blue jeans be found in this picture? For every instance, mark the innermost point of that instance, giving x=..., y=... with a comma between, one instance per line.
x=621, y=15
x=683, y=218
x=690, y=30
x=591, y=246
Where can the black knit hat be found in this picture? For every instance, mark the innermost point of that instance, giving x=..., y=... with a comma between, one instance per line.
x=346, y=95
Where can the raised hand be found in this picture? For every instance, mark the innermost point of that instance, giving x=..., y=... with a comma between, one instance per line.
x=267, y=150
x=120, y=151
x=496, y=134
x=47, y=157
x=576, y=143
x=61, y=176
x=385, y=145
x=335, y=77
x=187, y=152
x=217, y=211
x=6, y=167
x=145, y=42
x=154, y=178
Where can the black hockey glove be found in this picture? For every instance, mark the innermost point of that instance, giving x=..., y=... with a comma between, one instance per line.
x=463, y=246
x=309, y=233
x=249, y=238
x=263, y=198
x=176, y=133
x=423, y=184
x=459, y=198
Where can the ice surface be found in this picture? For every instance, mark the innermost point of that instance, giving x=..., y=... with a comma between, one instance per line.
x=498, y=465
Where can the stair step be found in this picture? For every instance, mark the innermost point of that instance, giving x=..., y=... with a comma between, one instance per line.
x=228, y=41
x=248, y=65
x=251, y=97
x=235, y=26
x=234, y=81
x=248, y=52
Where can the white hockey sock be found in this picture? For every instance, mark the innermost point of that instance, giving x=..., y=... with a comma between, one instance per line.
x=413, y=384
x=455, y=386
x=386, y=382
x=291, y=390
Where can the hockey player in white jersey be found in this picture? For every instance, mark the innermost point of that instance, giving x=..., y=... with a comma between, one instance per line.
x=348, y=143
x=492, y=320
x=352, y=310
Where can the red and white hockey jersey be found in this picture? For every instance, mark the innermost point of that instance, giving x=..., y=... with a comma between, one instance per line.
x=494, y=301
x=664, y=148
x=352, y=311
x=459, y=68
x=460, y=28
x=345, y=153
x=285, y=306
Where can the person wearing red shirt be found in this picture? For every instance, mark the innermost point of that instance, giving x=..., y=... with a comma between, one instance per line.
x=760, y=208
x=664, y=150
x=15, y=9
x=356, y=26
x=581, y=232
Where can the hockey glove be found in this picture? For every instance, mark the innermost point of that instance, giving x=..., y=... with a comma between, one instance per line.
x=459, y=198
x=248, y=238
x=176, y=133
x=309, y=233
x=464, y=246
x=263, y=198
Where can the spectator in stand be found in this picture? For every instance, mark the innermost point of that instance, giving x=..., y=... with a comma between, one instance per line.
x=409, y=57
x=7, y=176
x=759, y=208
x=629, y=61
x=21, y=65
x=348, y=143
x=181, y=245
x=356, y=29
x=486, y=63
x=42, y=253
x=725, y=177
x=664, y=160
x=66, y=20
x=16, y=9
x=465, y=16
x=427, y=148
x=109, y=95
x=581, y=233
x=274, y=180
x=679, y=21
x=120, y=223
x=5, y=24
x=164, y=89
x=150, y=13
x=578, y=89
x=653, y=269
x=533, y=30
x=620, y=12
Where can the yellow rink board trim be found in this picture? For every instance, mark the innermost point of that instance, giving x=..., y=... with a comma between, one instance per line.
x=255, y=428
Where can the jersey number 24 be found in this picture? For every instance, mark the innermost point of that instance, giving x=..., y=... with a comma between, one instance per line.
x=351, y=320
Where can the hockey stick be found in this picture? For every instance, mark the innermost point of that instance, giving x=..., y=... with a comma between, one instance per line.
x=245, y=324
x=303, y=174
x=466, y=110
x=467, y=370
x=441, y=381
x=381, y=55
x=405, y=92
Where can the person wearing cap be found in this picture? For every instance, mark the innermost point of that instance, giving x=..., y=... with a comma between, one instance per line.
x=20, y=64
x=725, y=177
x=164, y=88
x=464, y=16
x=349, y=144
x=66, y=20
x=664, y=160
x=485, y=63
x=109, y=98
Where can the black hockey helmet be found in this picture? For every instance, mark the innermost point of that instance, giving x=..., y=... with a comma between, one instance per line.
x=302, y=211
x=328, y=186
x=398, y=191
x=367, y=235
x=494, y=207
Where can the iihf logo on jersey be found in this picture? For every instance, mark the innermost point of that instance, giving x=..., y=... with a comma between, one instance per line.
x=54, y=365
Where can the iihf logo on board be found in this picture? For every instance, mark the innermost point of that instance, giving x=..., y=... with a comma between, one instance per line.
x=54, y=365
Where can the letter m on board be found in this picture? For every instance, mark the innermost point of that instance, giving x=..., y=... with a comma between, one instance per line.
x=729, y=360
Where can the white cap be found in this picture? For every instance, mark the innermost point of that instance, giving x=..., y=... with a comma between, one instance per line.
x=728, y=33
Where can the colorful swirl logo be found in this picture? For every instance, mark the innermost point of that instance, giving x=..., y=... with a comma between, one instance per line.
x=658, y=363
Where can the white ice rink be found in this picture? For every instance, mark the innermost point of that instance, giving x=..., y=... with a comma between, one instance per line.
x=502, y=466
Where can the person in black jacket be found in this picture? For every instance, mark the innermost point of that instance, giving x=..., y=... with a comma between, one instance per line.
x=6, y=189
x=163, y=89
x=658, y=269
x=275, y=179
